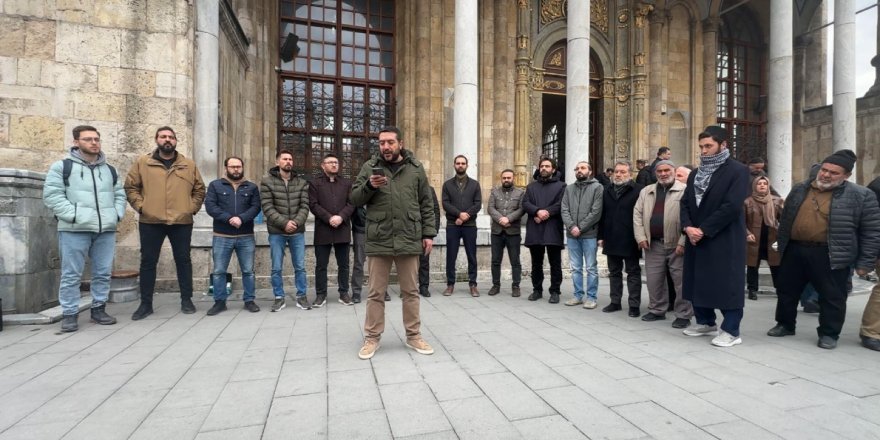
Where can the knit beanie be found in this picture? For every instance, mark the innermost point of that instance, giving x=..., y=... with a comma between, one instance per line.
x=846, y=159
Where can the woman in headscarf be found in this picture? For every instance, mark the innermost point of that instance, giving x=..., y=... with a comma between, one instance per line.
x=762, y=221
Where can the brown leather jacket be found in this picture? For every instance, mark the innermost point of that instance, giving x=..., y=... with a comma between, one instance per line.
x=754, y=219
x=162, y=195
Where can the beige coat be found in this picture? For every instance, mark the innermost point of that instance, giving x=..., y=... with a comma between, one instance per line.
x=672, y=234
x=165, y=196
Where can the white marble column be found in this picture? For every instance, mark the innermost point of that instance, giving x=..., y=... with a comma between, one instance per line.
x=577, y=95
x=780, y=99
x=206, y=88
x=466, y=95
x=844, y=87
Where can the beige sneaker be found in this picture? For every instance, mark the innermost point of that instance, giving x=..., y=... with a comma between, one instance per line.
x=420, y=346
x=369, y=349
x=574, y=302
x=590, y=304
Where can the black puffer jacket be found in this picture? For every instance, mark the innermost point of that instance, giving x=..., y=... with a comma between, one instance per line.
x=544, y=194
x=853, y=225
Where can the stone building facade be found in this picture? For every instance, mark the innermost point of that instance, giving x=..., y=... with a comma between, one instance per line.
x=647, y=76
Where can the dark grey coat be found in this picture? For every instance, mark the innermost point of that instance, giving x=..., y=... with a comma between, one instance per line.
x=853, y=224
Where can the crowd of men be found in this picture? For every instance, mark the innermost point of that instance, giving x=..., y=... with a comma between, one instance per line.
x=695, y=230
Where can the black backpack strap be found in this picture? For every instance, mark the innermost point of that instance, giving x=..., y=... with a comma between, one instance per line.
x=67, y=166
x=114, y=174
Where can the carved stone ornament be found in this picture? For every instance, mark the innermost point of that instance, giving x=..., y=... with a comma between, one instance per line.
x=522, y=41
x=554, y=85
x=642, y=15
x=599, y=14
x=607, y=88
x=639, y=87
x=623, y=17
x=538, y=79
x=556, y=59
x=623, y=146
x=552, y=10
x=639, y=59
x=523, y=4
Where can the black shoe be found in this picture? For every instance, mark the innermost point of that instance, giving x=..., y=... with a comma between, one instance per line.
x=69, y=324
x=650, y=317
x=554, y=298
x=320, y=300
x=100, y=316
x=535, y=296
x=356, y=298
x=219, y=306
x=251, y=306
x=387, y=297
x=871, y=343
x=144, y=310
x=634, y=312
x=187, y=306
x=827, y=342
x=753, y=295
x=681, y=323
x=779, y=331
x=811, y=307
x=611, y=308
x=494, y=290
x=425, y=292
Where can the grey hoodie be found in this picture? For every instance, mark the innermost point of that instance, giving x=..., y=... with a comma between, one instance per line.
x=582, y=207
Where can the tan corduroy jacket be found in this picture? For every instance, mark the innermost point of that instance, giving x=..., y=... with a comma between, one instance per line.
x=672, y=234
x=165, y=196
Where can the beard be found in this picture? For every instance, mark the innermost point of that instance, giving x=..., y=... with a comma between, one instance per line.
x=235, y=176
x=167, y=147
x=460, y=173
x=506, y=184
x=581, y=177
x=546, y=174
x=286, y=167
x=620, y=182
x=825, y=186
x=394, y=157
x=666, y=181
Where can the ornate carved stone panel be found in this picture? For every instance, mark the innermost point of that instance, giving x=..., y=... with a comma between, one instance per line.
x=552, y=10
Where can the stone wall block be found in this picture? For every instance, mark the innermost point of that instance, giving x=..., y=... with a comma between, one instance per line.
x=29, y=72
x=126, y=81
x=98, y=106
x=31, y=159
x=73, y=11
x=27, y=8
x=76, y=43
x=40, y=39
x=148, y=110
x=124, y=14
x=134, y=138
x=13, y=36
x=172, y=85
x=8, y=70
x=69, y=76
x=36, y=132
x=149, y=51
x=167, y=16
x=4, y=129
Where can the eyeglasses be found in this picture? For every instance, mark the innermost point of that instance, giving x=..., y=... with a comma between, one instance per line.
x=90, y=140
x=331, y=162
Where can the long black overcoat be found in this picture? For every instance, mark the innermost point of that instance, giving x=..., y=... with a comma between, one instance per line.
x=544, y=195
x=713, y=273
x=616, y=226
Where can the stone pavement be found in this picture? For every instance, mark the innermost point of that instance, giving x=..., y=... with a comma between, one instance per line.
x=504, y=368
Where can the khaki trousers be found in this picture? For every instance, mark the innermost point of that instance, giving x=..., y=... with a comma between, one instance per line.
x=871, y=317
x=659, y=261
x=379, y=268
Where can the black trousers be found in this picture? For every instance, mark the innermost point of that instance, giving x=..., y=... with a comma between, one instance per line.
x=633, y=279
x=424, y=271
x=322, y=259
x=152, y=236
x=752, y=276
x=500, y=242
x=806, y=263
x=554, y=256
x=454, y=235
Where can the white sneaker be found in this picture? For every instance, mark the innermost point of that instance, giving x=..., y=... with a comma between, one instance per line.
x=590, y=304
x=574, y=302
x=701, y=330
x=725, y=339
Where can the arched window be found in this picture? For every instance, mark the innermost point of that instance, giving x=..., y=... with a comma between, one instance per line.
x=741, y=97
x=338, y=91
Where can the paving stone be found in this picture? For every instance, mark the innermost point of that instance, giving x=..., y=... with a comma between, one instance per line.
x=222, y=353
x=240, y=404
x=77, y=401
x=48, y=430
x=395, y=366
x=256, y=364
x=679, y=402
x=477, y=418
x=532, y=372
x=449, y=381
x=344, y=357
x=170, y=423
x=739, y=429
x=676, y=375
x=244, y=433
x=367, y=425
x=352, y=391
x=304, y=376
x=548, y=428
x=118, y=416
x=198, y=387
x=603, y=388
x=867, y=408
x=306, y=416
x=658, y=422
x=443, y=435
x=513, y=397
x=589, y=415
x=412, y=410
x=606, y=363
x=840, y=422
x=478, y=362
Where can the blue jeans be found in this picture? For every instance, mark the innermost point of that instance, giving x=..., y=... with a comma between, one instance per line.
x=732, y=318
x=297, y=245
x=582, y=252
x=244, y=248
x=74, y=247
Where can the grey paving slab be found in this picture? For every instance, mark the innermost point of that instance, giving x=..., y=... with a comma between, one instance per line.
x=395, y=366
x=443, y=435
x=478, y=362
x=841, y=422
x=77, y=401
x=601, y=387
x=449, y=381
x=590, y=416
x=118, y=416
x=172, y=423
x=659, y=423
x=513, y=397
x=478, y=418
x=739, y=429
x=412, y=410
x=240, y=404
x=304, y=376
x=532, y=371
x=680, y=402
x=609, y=364
x=302, y=416
x=244, y=433
x=548, y=428
x=260, y=363
x=198, y=387
x=49, y=430
x=367, y=425
x=353, y=391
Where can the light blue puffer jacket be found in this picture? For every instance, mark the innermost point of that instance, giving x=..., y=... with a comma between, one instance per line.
x=91, y=203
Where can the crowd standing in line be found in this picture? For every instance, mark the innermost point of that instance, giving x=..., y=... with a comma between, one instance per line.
x=696, y=230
